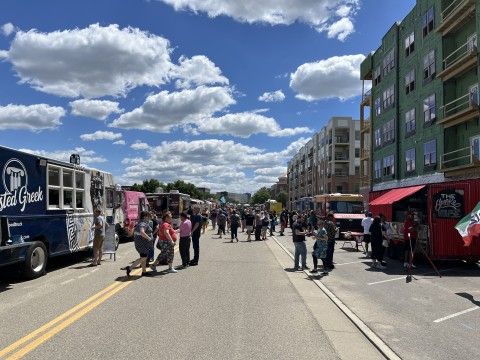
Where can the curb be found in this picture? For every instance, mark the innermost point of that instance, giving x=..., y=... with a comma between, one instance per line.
x=364, y=329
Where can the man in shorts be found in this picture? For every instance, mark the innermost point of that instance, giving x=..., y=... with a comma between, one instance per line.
x=366, y=223
x=250, y=223
x=98, y=237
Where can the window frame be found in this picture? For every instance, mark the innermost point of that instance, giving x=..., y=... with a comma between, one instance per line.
x=61, y=188
x=388, y=132
x=428, y=21
x=378, y=106
x=377, y=134
x=410, y=44
x=411, y=121
x=410, y=81
x=388, y=166
x=388, y=62
x=429, y=66
x=377, y=170
x=428, y=106
x=432, y=155
x=377, y=76
x=410, y=160
x=388, y=97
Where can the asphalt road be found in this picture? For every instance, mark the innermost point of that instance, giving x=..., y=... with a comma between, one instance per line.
x=239, y=303
x=428, y=318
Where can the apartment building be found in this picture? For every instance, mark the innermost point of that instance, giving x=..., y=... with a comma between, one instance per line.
x=328, y=163
x=420, y=131
x=280, y=186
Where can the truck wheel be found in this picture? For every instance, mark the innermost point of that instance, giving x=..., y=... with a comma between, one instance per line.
x=36, y=260
x=117, y=241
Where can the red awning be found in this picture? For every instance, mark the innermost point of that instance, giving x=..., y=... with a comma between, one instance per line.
x=383, y=204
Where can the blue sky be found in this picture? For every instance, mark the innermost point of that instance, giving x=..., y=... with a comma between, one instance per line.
x=182, y=81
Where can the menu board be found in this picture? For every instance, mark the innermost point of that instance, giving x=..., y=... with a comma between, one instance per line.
x=449, y=204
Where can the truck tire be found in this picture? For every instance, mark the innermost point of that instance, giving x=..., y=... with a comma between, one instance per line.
x=36, y=260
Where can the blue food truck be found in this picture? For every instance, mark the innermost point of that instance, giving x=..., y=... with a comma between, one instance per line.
x=46, y=208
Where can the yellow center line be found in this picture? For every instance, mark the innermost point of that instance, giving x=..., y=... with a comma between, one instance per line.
x=64, y=320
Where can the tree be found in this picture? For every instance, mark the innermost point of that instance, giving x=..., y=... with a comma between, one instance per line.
x=150, y=186
x=261, y=196
x=184, y=188
x=282, y=197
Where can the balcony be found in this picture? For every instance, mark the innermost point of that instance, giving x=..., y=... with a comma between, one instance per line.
x=365, y=126
x=340, y=157
x=461, y=60
x=367, y=98
x=461, y=110
x=455, y=15
x=341, y=173
x=456, y=162
x=364, y=154
x=342, y=140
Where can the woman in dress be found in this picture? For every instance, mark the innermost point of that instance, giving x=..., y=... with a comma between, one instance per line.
x=166, y=244
x=143, y=238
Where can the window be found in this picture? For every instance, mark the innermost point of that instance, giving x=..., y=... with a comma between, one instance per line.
x=410, y=122
x=410, y=160
x=389, y=165
x=389, y=62
x=430, y=153
x=389, y=98
x=410, y=81
x=378, y=106
x=377, y=166
x=429, y=109
x=429, y=65
x=357, y=152
x=378, y=137
x=357, y=135
x=410, y=44
x=389, y=131
x=475, y=144
x=428, y=21
x=66, y=188
x=377, y=76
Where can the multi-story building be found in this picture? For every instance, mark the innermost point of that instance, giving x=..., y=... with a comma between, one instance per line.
x=328, y=163
x=280, y=186
x=420, y=128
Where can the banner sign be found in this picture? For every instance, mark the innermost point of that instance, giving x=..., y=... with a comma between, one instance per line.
x=449, y=204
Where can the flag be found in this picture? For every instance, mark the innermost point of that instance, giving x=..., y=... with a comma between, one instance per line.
x=469, y=226
x=222, y=200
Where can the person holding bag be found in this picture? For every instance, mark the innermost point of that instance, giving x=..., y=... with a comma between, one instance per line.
x=320, y=247
x=167, y=237
x=143, y=239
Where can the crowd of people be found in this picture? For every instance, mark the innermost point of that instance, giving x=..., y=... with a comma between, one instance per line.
x=258, y=224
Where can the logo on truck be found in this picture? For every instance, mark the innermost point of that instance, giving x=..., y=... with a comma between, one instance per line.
x=15, y=183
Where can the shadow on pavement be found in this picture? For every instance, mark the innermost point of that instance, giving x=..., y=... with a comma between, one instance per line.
x=469, y=297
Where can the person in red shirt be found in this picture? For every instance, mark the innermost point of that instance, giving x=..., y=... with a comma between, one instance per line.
x=167, y=237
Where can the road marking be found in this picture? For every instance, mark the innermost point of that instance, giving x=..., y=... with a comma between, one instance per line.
x=456, y=314
x=83, y=275
x=349, y=263
x=369, y=334
x=66, y=319
x=67, y=282
x=403, y=277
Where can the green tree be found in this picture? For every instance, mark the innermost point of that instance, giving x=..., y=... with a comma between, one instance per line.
x=150, y=186
x=282, y=197
x=184, y=188
x=261, y=196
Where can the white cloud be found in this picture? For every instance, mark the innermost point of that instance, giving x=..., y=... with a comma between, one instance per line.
x=213, y=163
x=335, y=77
x=138, y=145
x=166, y=110
x=316, y=13
x=86, y=156
x=96, y=109
x=274, y=96
x=197, y=70
x=340, y=29
x=294, y=147
x=119, y=142
x=246, y=124
x=30, y=117
x=90, y=62
x=8, y=29
x=101, y=135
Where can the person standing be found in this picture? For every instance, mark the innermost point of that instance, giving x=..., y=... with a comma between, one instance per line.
x=196, y=220
x=242, y=218
x=250, y=224
x=167, y=237
x=98, y=237
x=273, y=222
x=387, y=235
x=320, y=248
x=234, y=225
x=366, y=223
x=376, y=238
x=258, y=226
x=331, y=230
x=143, y=239
x=154, y=225
x=221, y=222
x=205, y=216
x=283, y=221
x=185, y=239
x=410, y=240
x=213, y=217
x=299, y=233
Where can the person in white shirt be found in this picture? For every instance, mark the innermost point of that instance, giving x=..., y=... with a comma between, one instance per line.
x=366, y=223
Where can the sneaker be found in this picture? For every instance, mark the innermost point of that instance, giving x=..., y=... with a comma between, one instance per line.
x=172, y=271
x=325, y=273
x=153, y=268
x=305, y=268
x=314, y=271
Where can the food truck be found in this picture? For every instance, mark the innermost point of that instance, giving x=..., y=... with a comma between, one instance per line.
x=347, y=210
x=134, y=202
x=46, y=208
x=437, y=208
x=173, y=201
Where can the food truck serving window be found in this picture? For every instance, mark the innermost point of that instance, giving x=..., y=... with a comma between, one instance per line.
x=66, y=188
